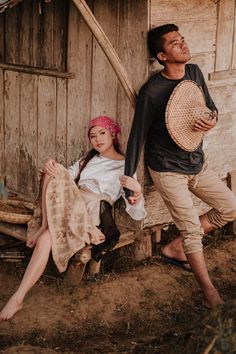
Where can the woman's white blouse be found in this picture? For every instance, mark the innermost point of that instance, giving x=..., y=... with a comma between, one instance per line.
x=102, y=175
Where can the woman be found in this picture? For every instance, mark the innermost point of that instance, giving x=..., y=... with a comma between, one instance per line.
x=70, y=215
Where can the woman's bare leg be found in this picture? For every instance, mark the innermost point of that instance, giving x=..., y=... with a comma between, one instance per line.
x=33, y=272
x=32, y=240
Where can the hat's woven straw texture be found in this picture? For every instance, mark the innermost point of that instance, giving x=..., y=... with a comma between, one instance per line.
x=15, y=211
x=186, y=104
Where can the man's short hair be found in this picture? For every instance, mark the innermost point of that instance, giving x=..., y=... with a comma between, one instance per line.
x=155, y=39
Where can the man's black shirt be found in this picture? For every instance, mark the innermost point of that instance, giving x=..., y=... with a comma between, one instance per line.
x=161, y=152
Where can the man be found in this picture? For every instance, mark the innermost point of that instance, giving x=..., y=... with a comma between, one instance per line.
x=176, y=172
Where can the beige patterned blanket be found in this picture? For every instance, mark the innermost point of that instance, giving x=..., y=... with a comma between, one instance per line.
x=69, y=222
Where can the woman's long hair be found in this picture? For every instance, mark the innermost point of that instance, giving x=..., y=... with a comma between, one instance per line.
x=87, y=157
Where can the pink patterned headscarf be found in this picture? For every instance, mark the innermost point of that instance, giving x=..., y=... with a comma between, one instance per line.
x=107, y=123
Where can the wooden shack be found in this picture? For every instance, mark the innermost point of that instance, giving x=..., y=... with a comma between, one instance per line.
x=54, y=77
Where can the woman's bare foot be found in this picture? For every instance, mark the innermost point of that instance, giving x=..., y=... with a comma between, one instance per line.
x=14, y=305
x=212, y=298
x=130, y=183
x=31, y=241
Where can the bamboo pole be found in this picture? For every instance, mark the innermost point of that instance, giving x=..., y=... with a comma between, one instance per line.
x=108, y=49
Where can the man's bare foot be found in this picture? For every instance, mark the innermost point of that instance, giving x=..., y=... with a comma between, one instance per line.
x=9, y=310
x=130, y=183
x=212, y=298
x=31, y=241
x=174, y=250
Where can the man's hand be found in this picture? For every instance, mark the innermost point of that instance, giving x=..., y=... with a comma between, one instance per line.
x=50, y=168
x=204, y=124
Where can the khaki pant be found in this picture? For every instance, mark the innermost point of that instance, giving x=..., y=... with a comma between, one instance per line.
x=175, y=189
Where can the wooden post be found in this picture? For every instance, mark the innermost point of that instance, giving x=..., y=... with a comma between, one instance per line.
x=108, y=49
x=231, y=181
x=156, y=234
x=76, y=268
x=74, y=273
x=93, y=267
x=143, y=248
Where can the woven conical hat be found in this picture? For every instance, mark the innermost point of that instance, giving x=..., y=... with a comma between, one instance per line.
x=186, y=104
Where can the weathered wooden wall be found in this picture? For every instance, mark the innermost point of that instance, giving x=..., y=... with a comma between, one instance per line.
x=44, y=116
x=210, y=31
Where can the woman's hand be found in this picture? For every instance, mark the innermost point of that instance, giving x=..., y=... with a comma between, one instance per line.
x=136, y=198
x=50, y=168
x=132, y=184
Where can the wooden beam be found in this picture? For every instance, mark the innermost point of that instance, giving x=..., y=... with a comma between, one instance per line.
x=16, y=231
x=224, y=74
x=30, y=70
x=108, y=49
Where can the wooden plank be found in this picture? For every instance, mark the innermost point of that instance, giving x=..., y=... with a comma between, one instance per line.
x=157, y=212
x=12, y=124
x=133, y=15
x=224, y=38
x=26, y=33
x=12, y=35
x=104, y=79
x=126, y=238
x=36, y=71
x=220, y=144
x=79, y=89
x=225, y=74
x=232, y=186
x=27, y=177
x=61, y=123
x=60, y=17
x=16, y=231
x=36, y=59
x=47, y=35
x=171, y=10
x=2, y=153
x=46, y=119
x=221, y=82
x=2, y=33
x=233, y=66
x=107, y=48
x=225, y=98
x=133, y=25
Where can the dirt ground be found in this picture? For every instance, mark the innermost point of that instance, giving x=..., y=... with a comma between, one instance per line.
x=150, y=307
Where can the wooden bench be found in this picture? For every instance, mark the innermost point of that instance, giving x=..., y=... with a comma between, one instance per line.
x=142, y=248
